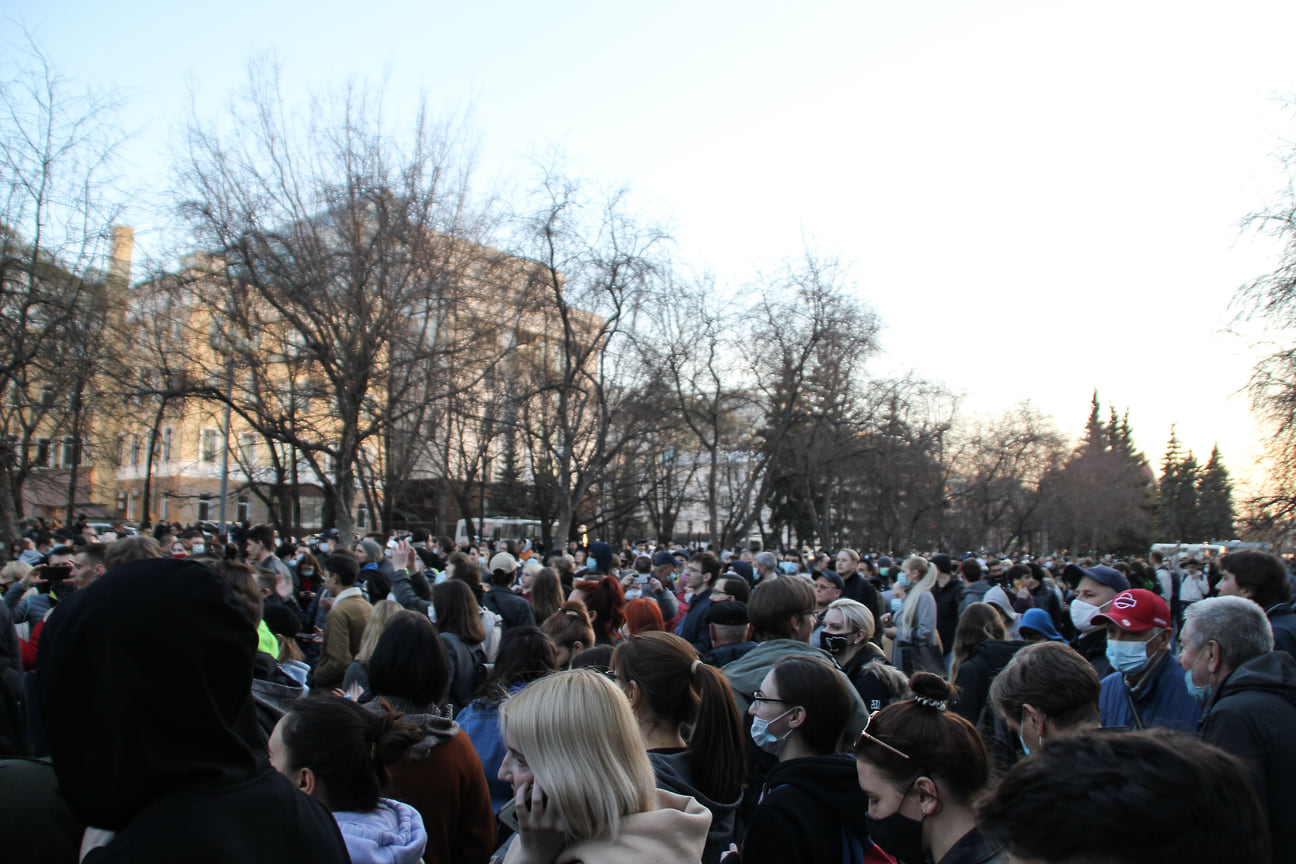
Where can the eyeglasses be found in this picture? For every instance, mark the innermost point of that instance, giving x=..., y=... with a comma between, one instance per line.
x=864, y=733
x=758, y=696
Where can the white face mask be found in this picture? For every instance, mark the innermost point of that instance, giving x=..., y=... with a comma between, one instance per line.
x=1082, y=614
x=199, y=548
x=633, y=593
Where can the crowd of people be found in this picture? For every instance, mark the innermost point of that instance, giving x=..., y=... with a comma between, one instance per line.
x=175, y=695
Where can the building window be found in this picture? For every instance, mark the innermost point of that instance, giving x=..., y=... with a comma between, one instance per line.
x=47, y=394
x=42, y=452
x=362, y=516
x=208, y=446
x=247, y=448
x=131, y=498
x=166, y=444
x=121, y=503
x=68, y=454
x=162, y=500
x=243, y=512
x=204, y=508
x=134, y=449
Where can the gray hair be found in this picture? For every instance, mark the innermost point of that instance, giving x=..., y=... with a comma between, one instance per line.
x=856, y=615
x=1236, y=624
x=766, y=559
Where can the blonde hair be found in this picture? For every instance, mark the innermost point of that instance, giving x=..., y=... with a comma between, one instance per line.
x=926, y=580
x=580, y=740
x=856, y=615
x=378, y=617
x=14, y=571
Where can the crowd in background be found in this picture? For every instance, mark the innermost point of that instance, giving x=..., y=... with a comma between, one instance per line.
x=171, y=694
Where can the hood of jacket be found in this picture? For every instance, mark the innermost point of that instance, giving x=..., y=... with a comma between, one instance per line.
x=997, y=652
x=674, y=774
x=437, y=730
x=747, y=672
x=391, y=833
x=675, y=831
x=273, y=690
x=831, y=782
x=145, y=688
x=1274, y=673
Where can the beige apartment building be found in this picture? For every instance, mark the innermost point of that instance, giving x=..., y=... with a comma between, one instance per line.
x=173, y=443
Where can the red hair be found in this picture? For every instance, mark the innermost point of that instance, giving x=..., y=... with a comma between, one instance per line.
x=642, y=614
x=607, y=601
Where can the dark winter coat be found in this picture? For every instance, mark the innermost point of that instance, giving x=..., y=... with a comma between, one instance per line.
x=1253, y=717
x=1163, y=701
x=1093, y=647
x=876, y=680
x=947, y=610
x=158, y=655
x=1283, y=621
x=513, y=608
x=808, y=808
x=977, y=672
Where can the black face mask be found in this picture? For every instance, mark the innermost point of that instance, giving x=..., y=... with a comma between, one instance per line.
x=833, y=643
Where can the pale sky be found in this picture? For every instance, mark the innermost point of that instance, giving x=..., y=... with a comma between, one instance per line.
x=1039, y=198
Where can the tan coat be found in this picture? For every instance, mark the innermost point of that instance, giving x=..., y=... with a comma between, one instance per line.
x=343, y=629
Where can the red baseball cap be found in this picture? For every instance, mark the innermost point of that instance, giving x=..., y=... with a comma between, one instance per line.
x=1136, y=610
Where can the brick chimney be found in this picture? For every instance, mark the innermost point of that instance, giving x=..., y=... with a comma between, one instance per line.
x=119, y=265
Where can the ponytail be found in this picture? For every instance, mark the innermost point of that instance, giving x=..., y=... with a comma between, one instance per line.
x=682, y=690
x=346, y=747
x=716, y=754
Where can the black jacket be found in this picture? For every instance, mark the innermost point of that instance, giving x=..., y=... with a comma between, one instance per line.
x=807, y=805
x=858, y=588
x=1253, y=717
x=976, y=674
x=1093, y=647
x=947, y=610
x=513, y=608
x=868, y=671
x=1283, y=622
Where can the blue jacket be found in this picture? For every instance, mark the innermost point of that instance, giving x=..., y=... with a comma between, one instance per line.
x=1283, y=622
x=1164, y=702
x=694, y=627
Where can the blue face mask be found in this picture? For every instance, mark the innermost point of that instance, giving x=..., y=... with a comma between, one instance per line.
x=1021, y=728
x=766, y=740
x=1200, y=692
x=1128, y=658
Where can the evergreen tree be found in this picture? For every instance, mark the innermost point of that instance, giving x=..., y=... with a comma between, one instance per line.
x=1215, y=499
x=1105, y=493
x=1177, y=493
x=510, y=494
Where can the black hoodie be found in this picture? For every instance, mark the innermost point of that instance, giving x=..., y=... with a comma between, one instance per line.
x=144, y=683
x=1252, y=718
x=808, y=808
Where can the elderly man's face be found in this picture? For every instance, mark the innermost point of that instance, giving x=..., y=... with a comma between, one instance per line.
x=825, y=592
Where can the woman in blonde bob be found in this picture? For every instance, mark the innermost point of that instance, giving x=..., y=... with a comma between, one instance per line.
x=583, y=787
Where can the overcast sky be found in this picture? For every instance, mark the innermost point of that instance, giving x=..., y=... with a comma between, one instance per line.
x=1039, y=198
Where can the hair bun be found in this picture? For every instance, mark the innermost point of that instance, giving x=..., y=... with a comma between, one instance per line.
x=931, y=690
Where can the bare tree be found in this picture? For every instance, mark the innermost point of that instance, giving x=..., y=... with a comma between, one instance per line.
x=1270, y=300
x=1001, y=470
x=805, y=356
x=597, y=265
x=57, y=203
x=356, y=245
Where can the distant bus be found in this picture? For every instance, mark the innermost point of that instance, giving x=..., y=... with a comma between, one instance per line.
x=499, y=528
